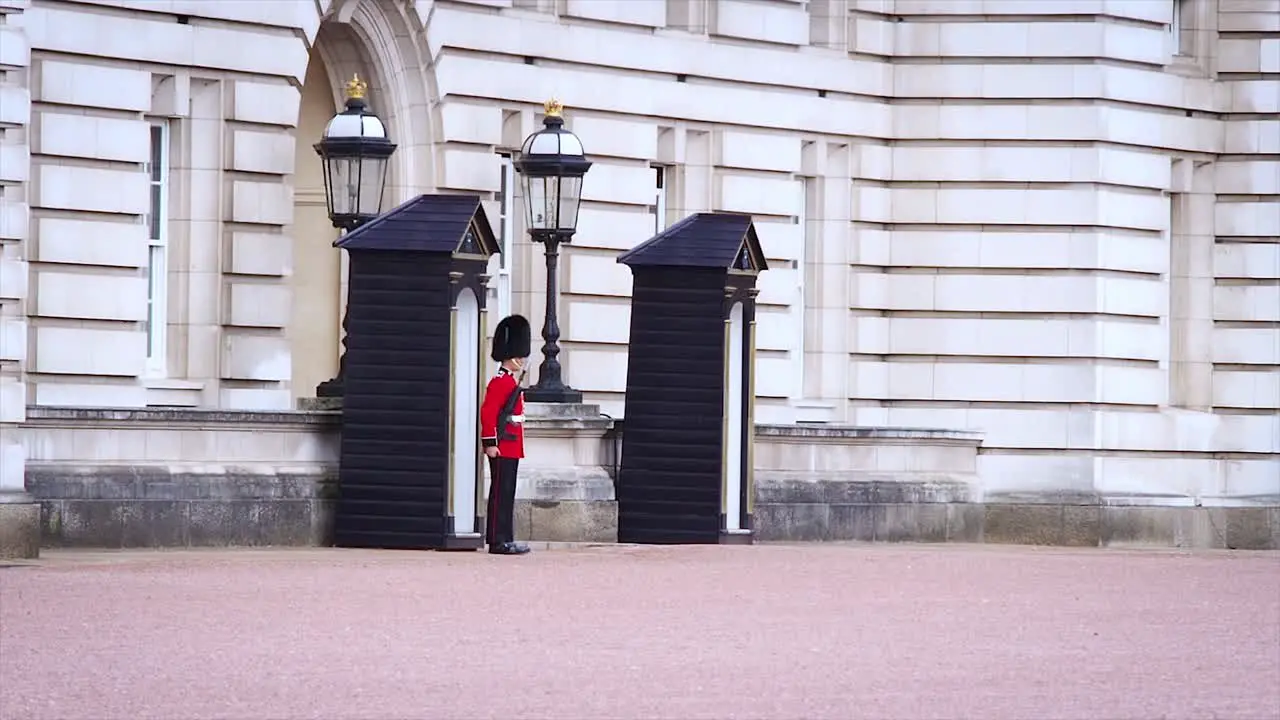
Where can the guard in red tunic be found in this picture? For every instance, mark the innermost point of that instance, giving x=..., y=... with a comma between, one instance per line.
x=502, y=432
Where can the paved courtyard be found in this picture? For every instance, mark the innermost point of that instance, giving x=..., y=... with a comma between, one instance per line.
x=772, y=631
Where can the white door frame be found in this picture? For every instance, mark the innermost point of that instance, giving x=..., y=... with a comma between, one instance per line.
x=735, y=410
x=466, y=441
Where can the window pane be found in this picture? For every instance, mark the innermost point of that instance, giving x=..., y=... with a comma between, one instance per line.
x=502, y=190
x=346, y=188
x=157, y=213
x=157, y=152
x=507, y=220
x=155, y=285
x=536, y=201
x=373, y=178
x=570, y=191
x=549, y=208
x=146, y=327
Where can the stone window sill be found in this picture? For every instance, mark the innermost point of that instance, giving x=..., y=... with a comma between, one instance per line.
x=167, y=392
x=814, y=411
x=1188, y=66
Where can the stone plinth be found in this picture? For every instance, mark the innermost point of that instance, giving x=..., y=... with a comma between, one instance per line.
x=835, y=482
x=566, y=488
x=320, y=404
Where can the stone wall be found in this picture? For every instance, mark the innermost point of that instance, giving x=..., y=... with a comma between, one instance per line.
x=104, y=478
x=108, y=478
x=886, y=484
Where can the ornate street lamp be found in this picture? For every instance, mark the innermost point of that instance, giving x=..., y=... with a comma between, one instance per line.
x=551, y=167
x=355, y=152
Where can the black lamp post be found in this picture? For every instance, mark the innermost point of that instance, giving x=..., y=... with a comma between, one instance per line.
x=551, y=167
x=355, y=152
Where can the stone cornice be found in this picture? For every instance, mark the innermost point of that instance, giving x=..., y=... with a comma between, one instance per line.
x=547, y=425
x=854, y=435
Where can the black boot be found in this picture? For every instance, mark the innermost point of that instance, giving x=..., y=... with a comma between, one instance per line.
x=508, y=548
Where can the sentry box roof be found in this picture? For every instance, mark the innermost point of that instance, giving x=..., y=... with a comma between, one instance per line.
x=454, y=224
x=721, y=240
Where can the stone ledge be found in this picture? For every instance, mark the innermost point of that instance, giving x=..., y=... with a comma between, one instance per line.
x=160, y=483
x=327, y=413
x=1131, y=500
x=320, y=404
x=76, y=417
x=861, y=488
x=853, y=434
x=543, y=416
x=1045, y=497
x=556, y=485
x=544, y=420
x=567, y=427
x=563, y=411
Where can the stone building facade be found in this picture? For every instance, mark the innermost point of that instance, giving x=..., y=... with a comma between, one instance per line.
x=1053, y=223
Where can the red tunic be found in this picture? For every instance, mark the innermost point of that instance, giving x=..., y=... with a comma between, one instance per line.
x=495, y=396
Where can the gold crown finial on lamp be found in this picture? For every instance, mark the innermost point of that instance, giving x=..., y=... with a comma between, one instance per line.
x=553, y=107
x=356, y=87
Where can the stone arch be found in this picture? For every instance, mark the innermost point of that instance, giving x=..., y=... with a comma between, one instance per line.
x=385, y=43
x=406, y=87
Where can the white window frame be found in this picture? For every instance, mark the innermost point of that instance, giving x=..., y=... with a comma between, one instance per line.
x=1183, y=13
x=1175, y=27
x=805, y=186
x=662, y=181
x=158, y=256
x=507, y=209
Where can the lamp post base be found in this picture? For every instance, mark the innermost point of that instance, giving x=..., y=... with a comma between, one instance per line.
x=330, y=388
x=558, y=395
x=333, y=387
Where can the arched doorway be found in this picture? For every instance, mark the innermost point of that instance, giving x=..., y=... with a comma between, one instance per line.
x=316, y=316
x=381, y=41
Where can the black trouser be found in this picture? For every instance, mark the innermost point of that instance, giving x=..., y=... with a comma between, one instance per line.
x=500, y=523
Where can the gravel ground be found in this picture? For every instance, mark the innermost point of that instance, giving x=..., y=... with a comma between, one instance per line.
x=772, y=631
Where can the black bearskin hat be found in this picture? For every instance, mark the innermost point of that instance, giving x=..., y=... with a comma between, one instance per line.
x=511, y=338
